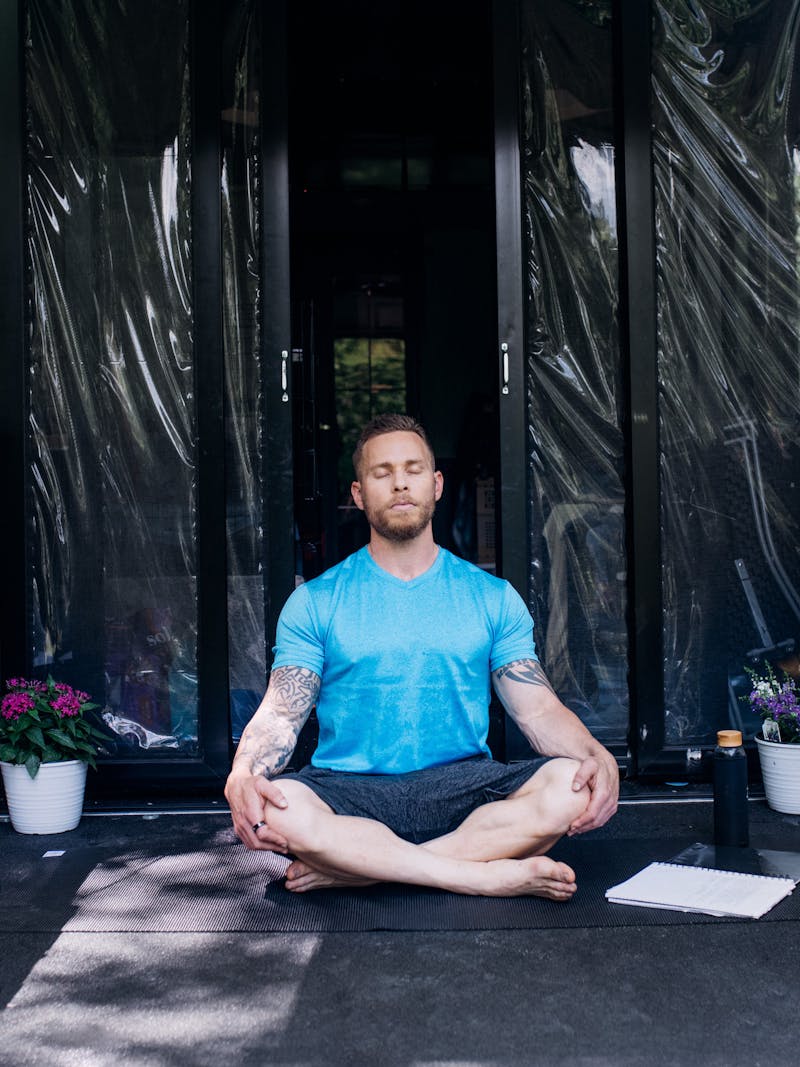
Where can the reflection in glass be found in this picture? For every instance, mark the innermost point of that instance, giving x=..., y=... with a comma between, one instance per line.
x=577, y=552
x=244, y=386
x=725, y=138
x=111, y=416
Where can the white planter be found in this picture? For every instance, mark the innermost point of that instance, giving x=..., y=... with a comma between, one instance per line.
x=50, y=803
x=780, y=769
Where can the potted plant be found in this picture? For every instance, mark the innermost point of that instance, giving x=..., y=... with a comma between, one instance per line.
x=777, y=701
x=46, y=743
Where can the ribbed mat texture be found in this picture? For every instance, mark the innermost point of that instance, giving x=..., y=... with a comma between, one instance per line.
x=223, y=887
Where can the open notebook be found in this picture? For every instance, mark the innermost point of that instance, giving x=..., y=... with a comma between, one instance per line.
x=702, y=889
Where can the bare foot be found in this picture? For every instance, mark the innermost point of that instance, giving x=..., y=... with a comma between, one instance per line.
x=538, y=876
x=301, y=877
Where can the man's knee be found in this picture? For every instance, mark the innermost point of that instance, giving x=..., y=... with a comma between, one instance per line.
x=299, y=821
x=551, y=791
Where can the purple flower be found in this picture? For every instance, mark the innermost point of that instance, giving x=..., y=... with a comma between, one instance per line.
x=15, y=704
x=67, y=705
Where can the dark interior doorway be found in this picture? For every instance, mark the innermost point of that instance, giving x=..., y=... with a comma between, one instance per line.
x=392, y=257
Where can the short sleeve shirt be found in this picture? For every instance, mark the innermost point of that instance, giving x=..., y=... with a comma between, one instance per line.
x=405, y=666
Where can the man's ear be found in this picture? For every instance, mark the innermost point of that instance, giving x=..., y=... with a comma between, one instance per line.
x=355, y=492
x=438, y=481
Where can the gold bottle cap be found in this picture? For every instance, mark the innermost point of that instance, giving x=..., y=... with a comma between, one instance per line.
x=729, y=738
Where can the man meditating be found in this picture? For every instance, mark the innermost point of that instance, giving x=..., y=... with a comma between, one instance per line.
x=397, y=648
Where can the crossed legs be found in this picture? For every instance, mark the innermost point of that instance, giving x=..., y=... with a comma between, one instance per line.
x=497, y=851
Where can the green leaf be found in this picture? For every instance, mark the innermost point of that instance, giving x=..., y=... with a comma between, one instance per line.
x=32, y=764
x=7, y=753
x=62, y=738
x=37, y=737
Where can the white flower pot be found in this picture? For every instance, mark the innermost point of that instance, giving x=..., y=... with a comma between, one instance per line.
x=50, y=803
x=780, y=769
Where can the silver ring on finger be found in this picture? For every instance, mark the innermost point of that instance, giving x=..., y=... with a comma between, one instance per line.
x=257, y=826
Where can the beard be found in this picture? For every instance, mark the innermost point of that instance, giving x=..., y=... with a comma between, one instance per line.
x=403, y=526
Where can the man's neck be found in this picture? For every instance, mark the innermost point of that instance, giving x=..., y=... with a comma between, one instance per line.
x=404, y=559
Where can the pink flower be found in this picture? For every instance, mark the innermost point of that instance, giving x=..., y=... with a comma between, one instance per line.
x=15, y=704
x=67, y=705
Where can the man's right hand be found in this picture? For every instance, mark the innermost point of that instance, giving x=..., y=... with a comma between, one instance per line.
x=247, y=795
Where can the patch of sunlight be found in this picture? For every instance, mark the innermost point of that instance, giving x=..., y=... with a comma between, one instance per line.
x=156, y=998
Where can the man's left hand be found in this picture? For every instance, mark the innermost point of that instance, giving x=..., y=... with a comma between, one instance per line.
x=601, y=775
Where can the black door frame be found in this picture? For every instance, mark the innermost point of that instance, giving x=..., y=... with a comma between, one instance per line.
x=207, y=773
x=639, y=343
x=637, y=322
x=632, y=21
x=513, y=510
x=13, y=406
x=276, y=313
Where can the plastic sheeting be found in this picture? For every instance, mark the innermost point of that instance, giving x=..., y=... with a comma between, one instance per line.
x=112, y=493
x=241, y=198
x=578, y=571
x=727, y=182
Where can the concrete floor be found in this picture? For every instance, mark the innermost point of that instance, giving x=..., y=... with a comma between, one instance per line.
x=710, y=994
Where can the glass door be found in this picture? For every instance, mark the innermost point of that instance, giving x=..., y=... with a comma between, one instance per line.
x=559, y=357
x=113, y=419
x=726, y=159
x=158, y=483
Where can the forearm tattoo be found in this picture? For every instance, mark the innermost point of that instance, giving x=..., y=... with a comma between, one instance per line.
x=271, y=735
x=527, y=671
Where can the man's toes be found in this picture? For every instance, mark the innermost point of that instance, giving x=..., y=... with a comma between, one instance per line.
x=297, y=869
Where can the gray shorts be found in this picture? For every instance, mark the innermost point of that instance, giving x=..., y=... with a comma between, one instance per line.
x=419, y=805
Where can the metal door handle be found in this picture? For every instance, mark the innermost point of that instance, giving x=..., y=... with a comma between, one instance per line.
x=504, y=352
x=285, y=376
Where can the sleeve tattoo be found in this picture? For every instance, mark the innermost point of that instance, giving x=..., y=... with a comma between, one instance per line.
x=526, y=671
x=271, y=735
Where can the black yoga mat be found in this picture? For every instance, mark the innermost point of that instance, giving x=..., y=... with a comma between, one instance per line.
x=219, y=886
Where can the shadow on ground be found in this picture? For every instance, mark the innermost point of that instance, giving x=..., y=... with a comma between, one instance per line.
x=623, y=996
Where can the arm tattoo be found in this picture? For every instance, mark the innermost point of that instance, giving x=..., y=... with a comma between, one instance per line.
x=295, y=688
x=271, y=735
x=527, y=671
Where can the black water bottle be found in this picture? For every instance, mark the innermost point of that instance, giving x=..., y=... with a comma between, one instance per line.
x=730, y=790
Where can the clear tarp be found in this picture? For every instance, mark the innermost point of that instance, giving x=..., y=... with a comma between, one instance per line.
x=241, y=199
x=727, y=183
x=576, y=448
x=112, y=471
x=112, y=495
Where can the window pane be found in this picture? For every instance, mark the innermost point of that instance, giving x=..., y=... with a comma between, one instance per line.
x=726, y=180
x=370, y=379
x=244, y=383
x=112, y=429
x=578, y=561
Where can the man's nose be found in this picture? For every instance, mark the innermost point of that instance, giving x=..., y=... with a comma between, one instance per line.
x=400, y=480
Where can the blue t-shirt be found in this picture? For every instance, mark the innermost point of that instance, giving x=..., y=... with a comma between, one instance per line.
x=405, y=666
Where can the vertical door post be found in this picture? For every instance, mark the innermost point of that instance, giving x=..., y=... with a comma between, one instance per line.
x=632, y=66
x=276, y=314
x=212, y=579
x=510, y=354
x=513, y=509
x=13, y=405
